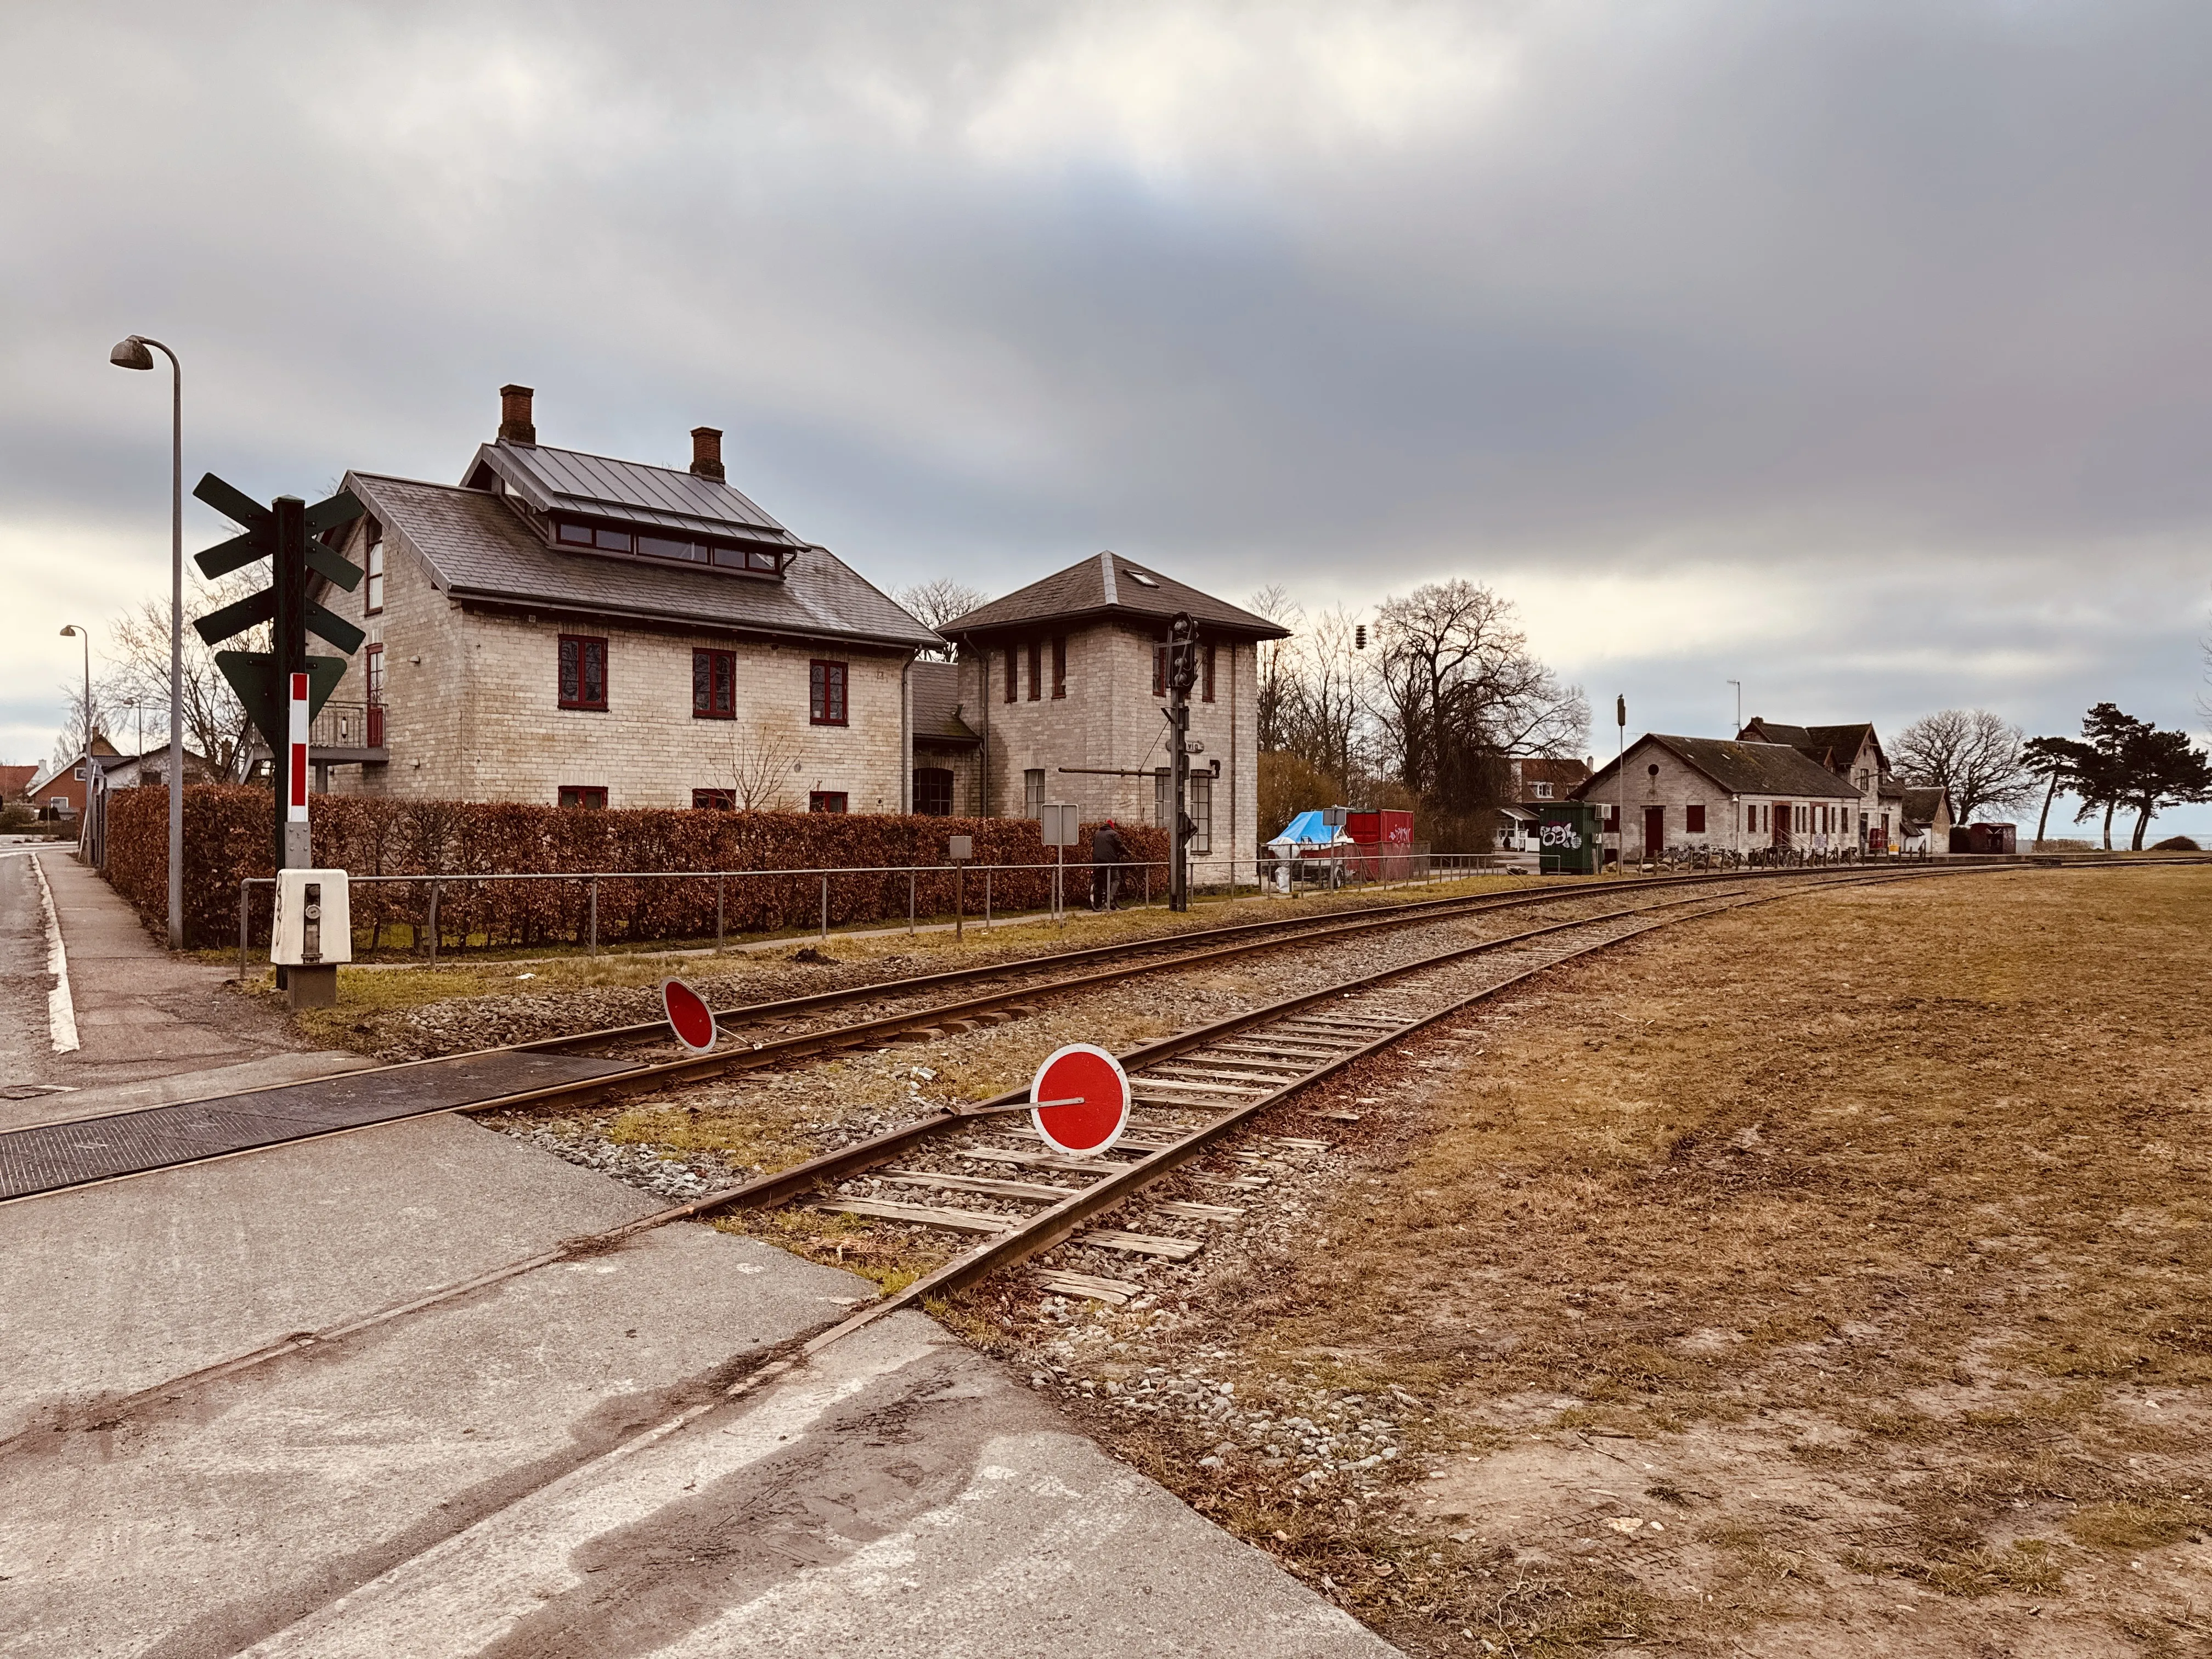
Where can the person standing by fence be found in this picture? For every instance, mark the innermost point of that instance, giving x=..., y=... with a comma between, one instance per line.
x=1107, y=853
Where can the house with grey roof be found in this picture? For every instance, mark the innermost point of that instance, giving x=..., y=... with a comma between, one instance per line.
x=1850, y=751
x=573, y=628
x=1064, y=683
x=1715, y=792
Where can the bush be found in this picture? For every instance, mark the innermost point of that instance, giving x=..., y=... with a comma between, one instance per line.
x=2176, y=844
x=227, y=838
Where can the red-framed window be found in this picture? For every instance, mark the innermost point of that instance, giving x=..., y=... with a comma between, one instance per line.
x=1160, y=671
x=825, y=800
x=715, y=800
x=583, y=671
x=1694, y=819
x=1036, y=670
x=1014, y=678
x=713, y=686
x=584, y=794
x=373, y=561
x=1060, y=665
x=826, y=696
x=373, y=671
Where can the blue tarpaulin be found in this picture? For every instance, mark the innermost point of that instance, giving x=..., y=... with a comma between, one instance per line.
x=1308, y=830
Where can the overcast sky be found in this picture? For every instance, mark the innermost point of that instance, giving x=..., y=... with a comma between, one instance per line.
x=1861, y=353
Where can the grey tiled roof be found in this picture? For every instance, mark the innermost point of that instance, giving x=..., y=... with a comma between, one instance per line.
x=635, y=492
x=936, y=687
x=1110, y=584
x=1740, y=769
x=478, y=546
x=1920, y=804
x=1830, y=744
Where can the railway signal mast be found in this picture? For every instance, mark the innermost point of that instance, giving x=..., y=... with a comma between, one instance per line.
x=1182, y=674
x=283, y=688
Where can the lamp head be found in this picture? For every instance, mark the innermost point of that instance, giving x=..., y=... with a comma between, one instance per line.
x=70, y=627
x=131, y=353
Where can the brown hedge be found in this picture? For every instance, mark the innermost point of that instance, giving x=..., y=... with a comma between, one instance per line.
x=227, y=838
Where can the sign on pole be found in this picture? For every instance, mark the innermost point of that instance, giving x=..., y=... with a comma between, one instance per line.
x=689, y=1016
x=296, y=802
x=1080, y=1100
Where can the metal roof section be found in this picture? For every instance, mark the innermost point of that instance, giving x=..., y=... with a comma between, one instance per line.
x=1740, y=769
x=1109, y=585
x=477, y=547
x=632, y=492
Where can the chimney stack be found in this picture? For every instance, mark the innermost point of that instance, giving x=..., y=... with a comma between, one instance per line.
x=706, y=451
x=514, y=427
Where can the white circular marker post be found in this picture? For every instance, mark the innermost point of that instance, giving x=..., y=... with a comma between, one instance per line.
x=1080, y=1100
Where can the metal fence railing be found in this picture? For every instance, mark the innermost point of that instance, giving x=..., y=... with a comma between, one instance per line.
x=1138, y=882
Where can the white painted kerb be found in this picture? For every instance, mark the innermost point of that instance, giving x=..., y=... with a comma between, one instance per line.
x=61, y=1009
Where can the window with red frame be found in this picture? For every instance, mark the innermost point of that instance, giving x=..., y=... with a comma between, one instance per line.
x=715, y=800
x=1693, y=820
x=826, y=694
x=1160, y=671
x=373, y=594
x=1036, y=670
x=713, y=686
x=373, y=663
x=1060, y=665
x=583, y=672
x=1013, y=679
x=825, y=800
x=1206, y=675
x=583, y=794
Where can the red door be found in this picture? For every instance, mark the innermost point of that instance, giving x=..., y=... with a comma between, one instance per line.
x=1655, y=830
x=1778, y=818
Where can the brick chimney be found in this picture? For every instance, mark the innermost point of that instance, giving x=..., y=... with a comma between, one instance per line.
x=514, y=427
x=707, y=453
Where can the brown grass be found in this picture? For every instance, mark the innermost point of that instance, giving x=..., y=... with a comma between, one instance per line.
x=1872, y=1225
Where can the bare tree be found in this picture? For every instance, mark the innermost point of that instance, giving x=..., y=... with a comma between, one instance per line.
x=1322, y=718
x=1457, y=689
x=1278, y=662
x=761, y=757
x=934, y=604
x=216, y=725
x=1979, y=757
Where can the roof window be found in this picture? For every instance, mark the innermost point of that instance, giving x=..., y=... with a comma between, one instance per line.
x=679, y=550
x=1140, y=578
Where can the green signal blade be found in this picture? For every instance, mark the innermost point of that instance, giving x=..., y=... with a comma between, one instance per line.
x=234, y=504
x=342, y=508
x=253, y=609
x=236, y=554
x=337, y=629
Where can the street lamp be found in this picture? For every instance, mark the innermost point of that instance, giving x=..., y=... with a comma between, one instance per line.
x=132, y=353
x=85, y=634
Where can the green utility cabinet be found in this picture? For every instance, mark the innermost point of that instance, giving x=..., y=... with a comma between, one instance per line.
x=1567, y=838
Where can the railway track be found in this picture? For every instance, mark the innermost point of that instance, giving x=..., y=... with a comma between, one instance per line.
x=625, y=1060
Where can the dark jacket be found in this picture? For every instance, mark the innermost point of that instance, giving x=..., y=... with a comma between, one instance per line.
x=1106, y=846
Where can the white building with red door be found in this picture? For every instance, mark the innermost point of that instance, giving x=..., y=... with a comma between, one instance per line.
x=1721, y=794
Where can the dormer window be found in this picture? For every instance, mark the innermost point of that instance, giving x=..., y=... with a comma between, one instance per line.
x=680, y=550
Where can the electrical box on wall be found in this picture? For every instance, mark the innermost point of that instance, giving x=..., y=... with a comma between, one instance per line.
x=313, y=924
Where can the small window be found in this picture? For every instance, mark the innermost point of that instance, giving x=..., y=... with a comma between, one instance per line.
x=1060, y=665
x=713, y=686
x=612, y=541
x=667, y=547
x=1693, y=818
x=583, y=671
x=80, y=773
x=576, y=535
x=1033, y=793
x=1205, y=674
x=373, y=665
x=1036, y=670
x=1200, y=803
x=826, y=693
x=1013, y=689
x=932, y=790
x=714, y=800
x=1160, y=671
x=1140, y=579
x=1163, y=797
x=373, y=601
x=1540, y=791
x=583, y=794
x=825, y=800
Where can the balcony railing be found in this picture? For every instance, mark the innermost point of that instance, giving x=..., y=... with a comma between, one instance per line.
x=340, y=725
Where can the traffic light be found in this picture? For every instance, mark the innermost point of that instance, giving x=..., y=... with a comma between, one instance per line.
x=285, y=532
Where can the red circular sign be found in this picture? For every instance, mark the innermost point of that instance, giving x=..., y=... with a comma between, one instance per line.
x=689, y=1016
x=1080, y=1100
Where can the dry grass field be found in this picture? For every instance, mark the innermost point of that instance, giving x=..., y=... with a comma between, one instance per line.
x=1826, y=1278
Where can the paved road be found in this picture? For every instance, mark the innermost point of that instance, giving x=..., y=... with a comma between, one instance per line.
x=27, y=1055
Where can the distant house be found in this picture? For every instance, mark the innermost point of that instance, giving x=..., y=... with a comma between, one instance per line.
x=1926, y=819
x=1713, y=792
x=16, y=785
x=947, y=750
x=1851, y=751
x=61, y=789
x=580, y=630
x=1064, y=681
x=1535, y=779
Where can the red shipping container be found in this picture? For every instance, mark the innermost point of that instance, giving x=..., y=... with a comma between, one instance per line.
x=1385, y=844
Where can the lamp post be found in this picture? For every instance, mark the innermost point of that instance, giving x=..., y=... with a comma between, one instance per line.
x=132, y=353
x=85, y=634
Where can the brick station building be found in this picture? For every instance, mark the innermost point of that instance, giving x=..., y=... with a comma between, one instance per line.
x=1718, y=793
x=572, y=628
x=1064, y=685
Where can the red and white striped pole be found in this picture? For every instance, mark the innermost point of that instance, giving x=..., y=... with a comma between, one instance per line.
x=296, y=809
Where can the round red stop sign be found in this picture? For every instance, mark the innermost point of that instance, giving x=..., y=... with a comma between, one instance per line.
x=1080, y=1100
x=689, y=1016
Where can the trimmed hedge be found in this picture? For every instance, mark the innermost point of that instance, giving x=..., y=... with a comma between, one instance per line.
x=227, y=838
